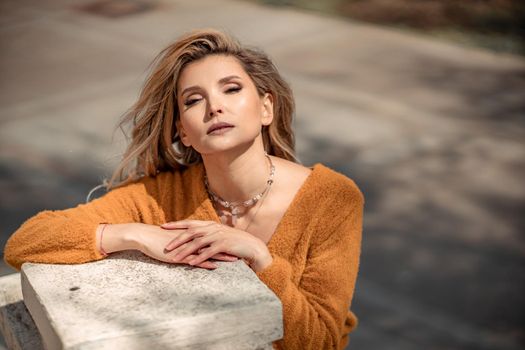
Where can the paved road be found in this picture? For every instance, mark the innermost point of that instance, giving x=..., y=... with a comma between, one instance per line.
x=431, y=132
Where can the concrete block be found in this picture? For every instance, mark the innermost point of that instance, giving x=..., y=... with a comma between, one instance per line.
x=16, y=324
x=131, y=301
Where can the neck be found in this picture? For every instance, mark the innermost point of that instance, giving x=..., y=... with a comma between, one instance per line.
x=237, y=176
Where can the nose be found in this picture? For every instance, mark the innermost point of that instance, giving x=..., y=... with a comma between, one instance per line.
x=215, y=111
x=215, y=107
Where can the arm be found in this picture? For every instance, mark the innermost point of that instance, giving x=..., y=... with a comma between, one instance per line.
x=315, y=311
x=69, y=236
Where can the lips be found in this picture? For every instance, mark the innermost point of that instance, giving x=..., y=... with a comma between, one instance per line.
x=218, y=126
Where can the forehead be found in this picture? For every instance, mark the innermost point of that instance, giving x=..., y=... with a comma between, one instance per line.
x=210, y=69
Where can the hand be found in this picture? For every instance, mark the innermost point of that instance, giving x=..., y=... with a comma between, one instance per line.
x=208, y=238
x=151, y=240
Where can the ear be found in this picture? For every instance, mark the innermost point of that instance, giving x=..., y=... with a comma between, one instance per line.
x=182, y=134
x=267, y=109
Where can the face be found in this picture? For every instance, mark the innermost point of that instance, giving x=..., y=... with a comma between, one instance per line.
x=219, y=106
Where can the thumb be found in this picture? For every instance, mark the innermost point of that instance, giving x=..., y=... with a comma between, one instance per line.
x=172, y=225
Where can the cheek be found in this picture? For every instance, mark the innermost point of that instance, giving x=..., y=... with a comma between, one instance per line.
x=249, y=107
x=192, y=113
x=190, y=127
x=191, y=119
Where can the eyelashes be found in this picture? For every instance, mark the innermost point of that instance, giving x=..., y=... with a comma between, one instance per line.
x=233, y=89
x=192, y=101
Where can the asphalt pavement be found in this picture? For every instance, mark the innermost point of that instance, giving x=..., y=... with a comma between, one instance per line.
x=432, y=132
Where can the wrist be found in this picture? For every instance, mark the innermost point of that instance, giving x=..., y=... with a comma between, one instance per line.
x=116, y=237
x=263, y=260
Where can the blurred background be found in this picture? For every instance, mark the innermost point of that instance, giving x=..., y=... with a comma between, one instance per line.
x=420, y=102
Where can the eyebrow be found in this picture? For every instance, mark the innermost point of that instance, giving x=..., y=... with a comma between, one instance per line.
x=221, y=81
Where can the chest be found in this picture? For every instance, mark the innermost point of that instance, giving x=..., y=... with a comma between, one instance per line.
x=265, y=220
x=265, y=226
x=259, y=222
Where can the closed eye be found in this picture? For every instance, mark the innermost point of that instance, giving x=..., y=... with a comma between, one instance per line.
x=234, y=89
x=195, y=100
x=191, y=102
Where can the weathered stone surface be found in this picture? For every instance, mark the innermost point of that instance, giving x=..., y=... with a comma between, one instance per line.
x=133, y=302
x=16, y=324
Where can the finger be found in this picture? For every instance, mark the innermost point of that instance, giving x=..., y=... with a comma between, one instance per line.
x=191, y=234
x=192, y=247
x=173, y=225
x=213, y=250
x=183, y=246
x=184, y=237
x=177, y=242
x=218, y=256
x=207, y=264
x=224, y=257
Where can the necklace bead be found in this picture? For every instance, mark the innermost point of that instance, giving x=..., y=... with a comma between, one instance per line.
x=237, y=208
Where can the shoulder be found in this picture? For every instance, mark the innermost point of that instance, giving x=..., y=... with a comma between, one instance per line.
x=293, y=174
x=331, y=184
x=164, y=181
x=320, y=182
x=320, y=190
x=332, y=195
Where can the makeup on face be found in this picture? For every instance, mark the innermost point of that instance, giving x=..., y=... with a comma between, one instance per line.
x=219, y=105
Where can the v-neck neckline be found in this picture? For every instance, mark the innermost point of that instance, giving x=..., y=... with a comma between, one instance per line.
x=299, y=194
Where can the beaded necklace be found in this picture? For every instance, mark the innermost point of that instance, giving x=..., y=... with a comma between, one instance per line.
x=238, y=208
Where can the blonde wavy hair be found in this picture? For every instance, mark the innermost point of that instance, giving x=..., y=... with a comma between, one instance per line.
x=155, y=143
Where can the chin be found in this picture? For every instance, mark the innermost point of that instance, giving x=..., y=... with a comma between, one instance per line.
x=227, y=146
x=228, y=142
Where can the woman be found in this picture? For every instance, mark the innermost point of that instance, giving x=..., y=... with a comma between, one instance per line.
x=210, y=174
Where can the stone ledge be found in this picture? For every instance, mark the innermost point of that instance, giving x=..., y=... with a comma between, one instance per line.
x=132, y=301
x=16, y=324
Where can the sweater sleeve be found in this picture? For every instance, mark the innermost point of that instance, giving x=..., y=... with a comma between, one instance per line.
x=315, y=310
x=68, y=236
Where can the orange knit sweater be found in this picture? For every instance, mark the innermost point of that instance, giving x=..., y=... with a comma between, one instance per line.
x=315, y=247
